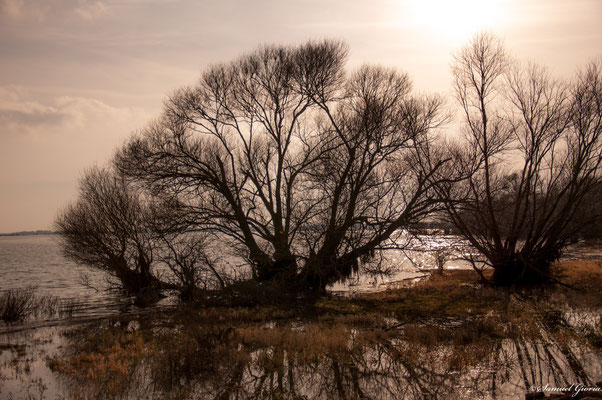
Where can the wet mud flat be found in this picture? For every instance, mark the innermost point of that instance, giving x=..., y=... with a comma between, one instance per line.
x=444, y=337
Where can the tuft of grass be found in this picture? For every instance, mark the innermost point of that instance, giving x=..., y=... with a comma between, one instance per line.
x=16, y=305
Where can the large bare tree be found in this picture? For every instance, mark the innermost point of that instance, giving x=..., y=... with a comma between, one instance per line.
x=302, y=168
x=530, y=152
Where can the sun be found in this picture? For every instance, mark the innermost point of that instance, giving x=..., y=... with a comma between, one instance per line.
x=455, y=20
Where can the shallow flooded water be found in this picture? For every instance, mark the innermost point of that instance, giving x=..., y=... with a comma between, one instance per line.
x=114, y=360
x=37, y=261
x=108, y=348
x=24, y=373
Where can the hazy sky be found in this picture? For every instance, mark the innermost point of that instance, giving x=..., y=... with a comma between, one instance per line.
x=78, y=76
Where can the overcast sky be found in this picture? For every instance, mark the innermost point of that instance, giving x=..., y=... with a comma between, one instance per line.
x=78, y=76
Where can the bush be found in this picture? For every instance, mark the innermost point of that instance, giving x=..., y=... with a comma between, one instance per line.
x=16, y=305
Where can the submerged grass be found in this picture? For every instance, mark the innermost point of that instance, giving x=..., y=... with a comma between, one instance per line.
x=424, y=337
x=108, y=358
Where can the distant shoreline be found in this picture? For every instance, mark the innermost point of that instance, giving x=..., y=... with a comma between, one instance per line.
x=30, y=233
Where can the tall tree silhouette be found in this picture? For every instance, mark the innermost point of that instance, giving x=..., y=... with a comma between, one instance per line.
x=301, y=167
x=531, y=151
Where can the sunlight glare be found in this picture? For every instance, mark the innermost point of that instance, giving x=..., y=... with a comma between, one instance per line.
x=458, y=19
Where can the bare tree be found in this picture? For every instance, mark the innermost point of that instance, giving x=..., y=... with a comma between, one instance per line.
x=141, y=241
x=373, y=182
x=304, y=169
x=530, y=153
x=108, y=228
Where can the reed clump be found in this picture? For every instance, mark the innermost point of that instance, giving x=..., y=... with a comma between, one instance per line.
x=16, y=305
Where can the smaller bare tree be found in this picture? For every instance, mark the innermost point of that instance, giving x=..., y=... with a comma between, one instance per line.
x=108, y=228
x=144, y=243
x=531, y=153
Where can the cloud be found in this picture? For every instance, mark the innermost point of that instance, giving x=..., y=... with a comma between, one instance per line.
x=42, y=10
x=18, y=10
x=18, y=114
x=46, y=142
x=11, y=8
x=27, y=119
x=90, y=11
x=21, y=113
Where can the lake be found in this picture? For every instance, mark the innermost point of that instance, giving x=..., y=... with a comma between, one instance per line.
x=37, y=260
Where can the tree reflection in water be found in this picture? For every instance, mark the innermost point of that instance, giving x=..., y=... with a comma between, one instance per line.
x=320, y=361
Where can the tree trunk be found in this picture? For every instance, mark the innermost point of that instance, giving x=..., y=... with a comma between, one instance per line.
x=139, y=282
x=319, y=272
x=134, y=282
x=521, y=272
x=283, y=269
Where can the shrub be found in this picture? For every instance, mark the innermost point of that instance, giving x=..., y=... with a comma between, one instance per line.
x=17, y=304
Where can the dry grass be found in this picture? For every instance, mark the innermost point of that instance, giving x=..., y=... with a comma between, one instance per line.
x=16, y=305
x=580, y=274
x=312, y=340
x=450, y=321
x=107, y=358
x=456, y=294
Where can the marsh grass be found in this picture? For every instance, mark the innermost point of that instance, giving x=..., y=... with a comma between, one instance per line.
x=108, y=359
x=584, y=281
x=16, y=305
x=418, y=342
x=579, y=274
